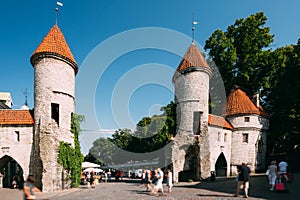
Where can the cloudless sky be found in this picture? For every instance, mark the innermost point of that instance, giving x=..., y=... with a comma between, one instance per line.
x=86, y=24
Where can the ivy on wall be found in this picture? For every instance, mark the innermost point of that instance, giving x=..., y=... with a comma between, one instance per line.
x=70, y=157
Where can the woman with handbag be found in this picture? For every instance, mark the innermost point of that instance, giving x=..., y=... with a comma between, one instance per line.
x=273, y=174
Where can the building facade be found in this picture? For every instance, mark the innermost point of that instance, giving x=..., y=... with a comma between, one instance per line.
x=36, y=134
x=207, y=143
x=204, y=142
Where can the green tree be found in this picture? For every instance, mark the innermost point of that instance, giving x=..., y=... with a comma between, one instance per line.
x=151, y=134
x=142, y=127
x=284, y=100
x=241, y=52
x=71, y=158
x=102, y=152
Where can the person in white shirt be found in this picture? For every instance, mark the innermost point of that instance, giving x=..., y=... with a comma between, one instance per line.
x=159, y=186
x=283, y=170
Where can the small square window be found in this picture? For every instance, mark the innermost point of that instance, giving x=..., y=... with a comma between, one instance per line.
x=245, y=137
x=247, y=119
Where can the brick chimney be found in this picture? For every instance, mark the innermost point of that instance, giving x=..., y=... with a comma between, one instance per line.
x=255, y=99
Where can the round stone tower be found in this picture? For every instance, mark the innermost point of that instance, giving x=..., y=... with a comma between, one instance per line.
x=54, y=84
x=251, y=125
x=191, y=81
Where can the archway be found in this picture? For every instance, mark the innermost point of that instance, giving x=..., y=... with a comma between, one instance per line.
x=221, y=166
x=10, y=169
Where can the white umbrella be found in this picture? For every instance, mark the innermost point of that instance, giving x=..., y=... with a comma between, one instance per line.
x=96, y=170
x=89, y=165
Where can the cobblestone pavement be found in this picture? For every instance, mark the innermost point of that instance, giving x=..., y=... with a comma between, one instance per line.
x=221, y=189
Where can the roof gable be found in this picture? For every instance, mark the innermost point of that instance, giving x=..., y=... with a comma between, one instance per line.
x=16, y=117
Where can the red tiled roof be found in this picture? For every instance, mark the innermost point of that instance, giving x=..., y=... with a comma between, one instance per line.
x=192, y=58
x=238, y=102
x=219, y=121
x=55, y=43
x=16, y=117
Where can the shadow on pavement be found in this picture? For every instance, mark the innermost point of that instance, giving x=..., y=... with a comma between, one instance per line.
x=258, y=188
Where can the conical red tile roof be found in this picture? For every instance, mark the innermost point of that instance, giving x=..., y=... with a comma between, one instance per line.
x=192, y=58
x=238, y=102
x=54, y=44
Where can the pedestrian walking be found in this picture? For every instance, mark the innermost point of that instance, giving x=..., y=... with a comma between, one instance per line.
x=283, y=170
x=147, y=180
x=30, y=188
x=243, y=180
x=159, y=186
x=169, y=180
x=273, y=174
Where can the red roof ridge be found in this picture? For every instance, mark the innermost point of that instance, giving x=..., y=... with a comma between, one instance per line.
x=16, y=117
x=54, y=44
x=219, y=121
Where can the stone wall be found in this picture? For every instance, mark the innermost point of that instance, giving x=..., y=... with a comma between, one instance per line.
x=248, y=151
x=54, y=83
x=191, y=98
x=17, y=147
x=220, y=142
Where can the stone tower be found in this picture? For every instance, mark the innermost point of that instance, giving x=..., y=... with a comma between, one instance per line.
x=251, y=125
x=190, y=148
x=54, y=83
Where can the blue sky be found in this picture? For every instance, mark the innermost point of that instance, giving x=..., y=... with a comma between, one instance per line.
x=88, y=24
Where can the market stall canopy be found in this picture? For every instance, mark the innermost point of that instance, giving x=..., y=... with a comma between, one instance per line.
x=96, y=170
x=89, y=165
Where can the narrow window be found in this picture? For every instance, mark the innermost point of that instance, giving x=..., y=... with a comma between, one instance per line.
x=219, y=137
x=225, y=137
x=247, y=119
x=197, y=122
x=18, y=135
x=55, y=112
x=245, y=137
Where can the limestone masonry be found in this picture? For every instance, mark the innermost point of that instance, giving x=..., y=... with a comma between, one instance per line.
x=204, y=142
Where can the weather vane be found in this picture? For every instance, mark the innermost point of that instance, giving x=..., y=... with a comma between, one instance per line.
x=193, y=28
x=56, y=9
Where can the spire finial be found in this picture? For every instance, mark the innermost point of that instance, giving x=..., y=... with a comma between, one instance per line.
x=193, y=28
x=56, y=9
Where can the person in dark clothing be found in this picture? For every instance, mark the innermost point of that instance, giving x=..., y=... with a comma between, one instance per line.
x=243, y=180
x=30, y=188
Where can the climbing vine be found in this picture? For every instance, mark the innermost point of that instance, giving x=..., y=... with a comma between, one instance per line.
x=70, y=157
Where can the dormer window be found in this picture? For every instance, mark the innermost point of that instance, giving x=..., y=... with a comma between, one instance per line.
x=247, y=119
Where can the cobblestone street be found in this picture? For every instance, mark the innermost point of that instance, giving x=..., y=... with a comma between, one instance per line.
x=131, y=189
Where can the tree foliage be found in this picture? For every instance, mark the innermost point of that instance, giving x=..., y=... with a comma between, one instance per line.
x=284, y=100
x=70, y=157
x=151, y=134
x=241, y=52
x=243, y=56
